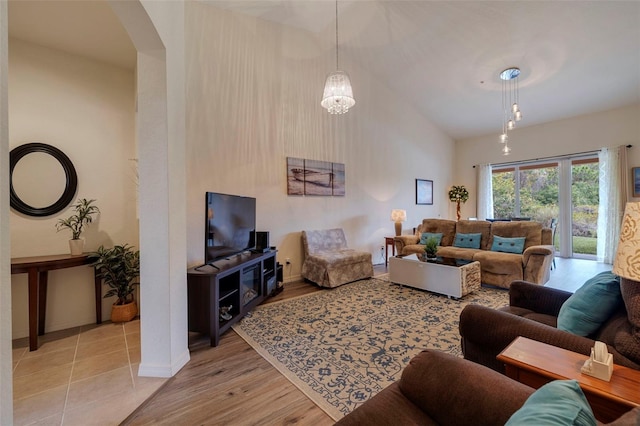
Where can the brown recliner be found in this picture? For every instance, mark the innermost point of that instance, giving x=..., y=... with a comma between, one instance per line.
x=440, y=389
x=532, y=313
x=437, y=388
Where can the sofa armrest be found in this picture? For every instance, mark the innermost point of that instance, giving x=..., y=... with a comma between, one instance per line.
x=404, y=240
x=486, y=332
x=536, y=251
x=537, y=298
x=454, y=391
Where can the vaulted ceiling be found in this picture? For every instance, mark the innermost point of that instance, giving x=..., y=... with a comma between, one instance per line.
x=443, y=57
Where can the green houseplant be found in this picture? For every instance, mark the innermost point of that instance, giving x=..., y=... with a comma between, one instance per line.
x=119, y=268
x=431, y=247
x=84, y=211
x=458, y=194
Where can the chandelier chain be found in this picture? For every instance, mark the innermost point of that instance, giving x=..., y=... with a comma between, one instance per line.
x=337, y=63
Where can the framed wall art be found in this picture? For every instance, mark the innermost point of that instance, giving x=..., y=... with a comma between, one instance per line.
x=313, y=177
x=424, y=191
x=635, y=181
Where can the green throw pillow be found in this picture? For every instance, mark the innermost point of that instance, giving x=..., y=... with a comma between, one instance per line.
x=426, y=235
x=591, y=305
x=560, y=402
x=467, y=241
x=508, y=245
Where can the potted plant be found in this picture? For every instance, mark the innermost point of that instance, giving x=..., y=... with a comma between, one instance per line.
x=458, y=194
x=431, y=247
x=84, y=211
x=119, y=268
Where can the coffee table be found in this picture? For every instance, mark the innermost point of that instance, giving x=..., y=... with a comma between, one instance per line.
x=444, y=275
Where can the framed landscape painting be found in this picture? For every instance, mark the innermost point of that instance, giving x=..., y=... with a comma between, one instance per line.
x=424, y=191
x=635, y=175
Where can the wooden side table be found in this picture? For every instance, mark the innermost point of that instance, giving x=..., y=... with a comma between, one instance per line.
x=389, y=241
x=535, y=364
x=38, y=267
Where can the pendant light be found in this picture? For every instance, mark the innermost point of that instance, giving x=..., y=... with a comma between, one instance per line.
x=337, y=97
x=510, y=108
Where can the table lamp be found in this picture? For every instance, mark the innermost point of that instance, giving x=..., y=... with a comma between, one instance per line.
x=627, y=262
x=398, y=216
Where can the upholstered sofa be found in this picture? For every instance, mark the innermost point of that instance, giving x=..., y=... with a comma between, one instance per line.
x=497, y=268
x=439, y=389
x=329, y=262
x=533, y=313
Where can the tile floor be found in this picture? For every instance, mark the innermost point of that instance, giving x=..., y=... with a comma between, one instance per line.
x=83, y=376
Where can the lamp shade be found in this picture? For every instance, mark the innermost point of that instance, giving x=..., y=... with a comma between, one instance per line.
x=627, y=261
x=338, y=95
x=398, y=215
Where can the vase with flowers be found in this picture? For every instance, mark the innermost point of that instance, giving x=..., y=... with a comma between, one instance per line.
x=458, y=194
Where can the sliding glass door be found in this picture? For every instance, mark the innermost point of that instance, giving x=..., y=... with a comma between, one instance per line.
x=561, y=192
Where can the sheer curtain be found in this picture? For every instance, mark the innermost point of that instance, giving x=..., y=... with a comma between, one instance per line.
x=613, y=196
x=484, y=208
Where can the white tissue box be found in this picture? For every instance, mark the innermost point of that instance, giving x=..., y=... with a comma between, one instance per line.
x=597, y=369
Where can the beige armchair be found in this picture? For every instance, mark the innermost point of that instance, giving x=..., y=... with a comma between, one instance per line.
x=329, y=262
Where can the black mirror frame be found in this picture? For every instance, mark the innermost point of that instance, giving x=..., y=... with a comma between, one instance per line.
x=71, y=184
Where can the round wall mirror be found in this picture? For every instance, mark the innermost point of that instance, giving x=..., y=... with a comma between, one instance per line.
x=43, y=179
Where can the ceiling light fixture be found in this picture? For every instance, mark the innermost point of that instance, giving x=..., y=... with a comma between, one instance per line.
x=337, y=97
x=510, y=108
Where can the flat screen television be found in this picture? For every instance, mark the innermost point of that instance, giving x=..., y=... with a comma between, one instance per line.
x=230, y=225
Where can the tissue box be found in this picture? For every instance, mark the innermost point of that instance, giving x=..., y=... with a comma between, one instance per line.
x=597, y=369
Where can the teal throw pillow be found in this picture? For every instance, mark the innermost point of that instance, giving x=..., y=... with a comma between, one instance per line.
x=508, y=245
x=467, y=241
x=560, y=402
x=591, y=305
x=426, y=235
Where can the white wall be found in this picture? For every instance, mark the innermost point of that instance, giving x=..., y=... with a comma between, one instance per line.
x=86, y=109
x=253, y=99
x=6, y=379
x=573, y=135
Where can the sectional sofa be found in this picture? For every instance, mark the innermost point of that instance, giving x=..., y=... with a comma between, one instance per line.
x=494, y=244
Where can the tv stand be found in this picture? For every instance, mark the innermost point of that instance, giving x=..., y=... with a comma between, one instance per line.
x=218, y=299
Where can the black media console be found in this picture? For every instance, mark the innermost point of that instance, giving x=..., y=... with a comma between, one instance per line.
x=220, y=295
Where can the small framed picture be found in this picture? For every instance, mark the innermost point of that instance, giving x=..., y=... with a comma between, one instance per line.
x=635, y=176
x=424, y=191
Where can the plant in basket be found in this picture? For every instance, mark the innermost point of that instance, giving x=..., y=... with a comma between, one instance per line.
x=119, y=268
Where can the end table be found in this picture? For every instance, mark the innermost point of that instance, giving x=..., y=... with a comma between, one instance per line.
x=389, y=241
x=535, y=364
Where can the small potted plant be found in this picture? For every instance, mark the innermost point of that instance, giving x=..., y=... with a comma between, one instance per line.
x=119, y=268
x=431, y=247
x=458, y=194
x=84, y=211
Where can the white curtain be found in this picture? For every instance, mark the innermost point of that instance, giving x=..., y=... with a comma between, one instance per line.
x=612, y=200
x=484, y=208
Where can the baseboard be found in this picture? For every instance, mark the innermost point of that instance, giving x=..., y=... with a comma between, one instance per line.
x=292, y=278
x=150, y=370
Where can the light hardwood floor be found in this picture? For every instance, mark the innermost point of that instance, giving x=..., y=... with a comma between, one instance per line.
x=232, y=384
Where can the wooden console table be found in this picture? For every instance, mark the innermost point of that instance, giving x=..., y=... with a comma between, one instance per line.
x=38, y=267
x=535, y=364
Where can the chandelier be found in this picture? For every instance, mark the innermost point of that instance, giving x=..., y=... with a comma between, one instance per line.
x=510, y=108
x=337, y=97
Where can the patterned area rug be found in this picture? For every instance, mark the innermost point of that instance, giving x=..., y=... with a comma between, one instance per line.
x=344, y=345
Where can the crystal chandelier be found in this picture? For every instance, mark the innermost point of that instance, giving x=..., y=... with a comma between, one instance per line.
x=338, y=96
x=510, y=108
